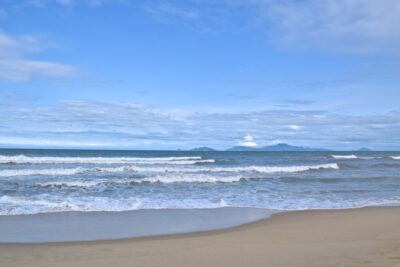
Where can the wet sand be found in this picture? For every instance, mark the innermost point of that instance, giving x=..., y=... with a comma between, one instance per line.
x=353, y=237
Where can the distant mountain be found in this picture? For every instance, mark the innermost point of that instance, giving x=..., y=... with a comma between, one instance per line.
x=364, y=149
x=203, y=148
x=286, y=147
x=278, y=147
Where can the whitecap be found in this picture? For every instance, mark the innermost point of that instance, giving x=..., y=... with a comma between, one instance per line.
x=130, y=168
x=69, y=184
x=254, y=169
x=22, y=159
x=181, y=179
x=34, y=172
x=344, y=156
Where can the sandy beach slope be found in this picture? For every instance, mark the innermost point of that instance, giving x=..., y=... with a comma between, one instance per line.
x=354, y=237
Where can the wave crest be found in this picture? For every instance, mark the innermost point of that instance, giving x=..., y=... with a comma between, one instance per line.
x=344, y=156
x=68, y=184
x=129, y=168
x=22, y=159
x=49, y=172
x=253, y=169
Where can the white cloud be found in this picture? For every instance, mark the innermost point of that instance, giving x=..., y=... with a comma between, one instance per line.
x=127, y=125
x=22, y=70
x=166, y=9
x=293, y=127
x=15, y=62
x=32, y=141
x=354, y=26
x=276, y=142
x=248, y=141
x=346, y=25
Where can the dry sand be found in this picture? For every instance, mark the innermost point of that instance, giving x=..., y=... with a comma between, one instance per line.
x=355, y=237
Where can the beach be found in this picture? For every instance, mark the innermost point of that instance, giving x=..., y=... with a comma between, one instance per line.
x=185, y=208
x=349, y=237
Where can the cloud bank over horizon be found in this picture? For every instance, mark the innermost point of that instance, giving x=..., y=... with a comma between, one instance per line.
x=135, y=126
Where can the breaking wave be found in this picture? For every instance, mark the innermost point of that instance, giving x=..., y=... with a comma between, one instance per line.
x=43, y=204
x=68, y=184
x=34, y=182
x=127, y=169
x=199, y=178
x=344, y=156
x=22, y=159
x=50, y=172
x=254, y=169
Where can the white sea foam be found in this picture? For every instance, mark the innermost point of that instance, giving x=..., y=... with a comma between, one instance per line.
x=69, y=184
x=254, y=169
x=395, y=157
x=44, y=204
x=17, y=205
x=182, y=179
x=129, y=168
x=13, y=205
x=344, y=156
x=167, y=178
x=34, y=172
x=22, y=159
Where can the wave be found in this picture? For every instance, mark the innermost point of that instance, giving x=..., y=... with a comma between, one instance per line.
x=22, y=159
x=395, y=157
x=68, y=184
x=344, y=156
x=151, y=179
x=27, y=201
x=188, y=179
x=356, y=157
x=44, y=204
x=129, y=168
x=166, y=178
x=387, y=165
x=253, y=169
x=17, y=205
x=50, y=172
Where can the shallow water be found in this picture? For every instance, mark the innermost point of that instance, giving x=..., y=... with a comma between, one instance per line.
x=88, y=226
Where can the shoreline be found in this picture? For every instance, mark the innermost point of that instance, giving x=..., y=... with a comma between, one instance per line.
x=367, y=236
x=233, y=218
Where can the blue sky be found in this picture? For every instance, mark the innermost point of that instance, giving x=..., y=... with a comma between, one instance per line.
x=167, y=74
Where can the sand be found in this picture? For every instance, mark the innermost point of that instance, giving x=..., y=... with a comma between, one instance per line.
x=353, y=237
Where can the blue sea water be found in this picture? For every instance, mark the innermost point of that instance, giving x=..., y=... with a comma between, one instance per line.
x=42, y=181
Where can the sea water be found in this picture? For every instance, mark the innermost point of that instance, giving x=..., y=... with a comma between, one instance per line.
x=47, y=181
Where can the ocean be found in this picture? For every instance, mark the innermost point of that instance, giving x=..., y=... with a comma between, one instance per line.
x=48, y=181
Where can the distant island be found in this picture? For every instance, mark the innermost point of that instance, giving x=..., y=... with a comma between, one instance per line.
x=277, y=147
x=203, y=148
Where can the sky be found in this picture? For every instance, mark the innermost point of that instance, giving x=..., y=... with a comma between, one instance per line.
x=170, y=74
